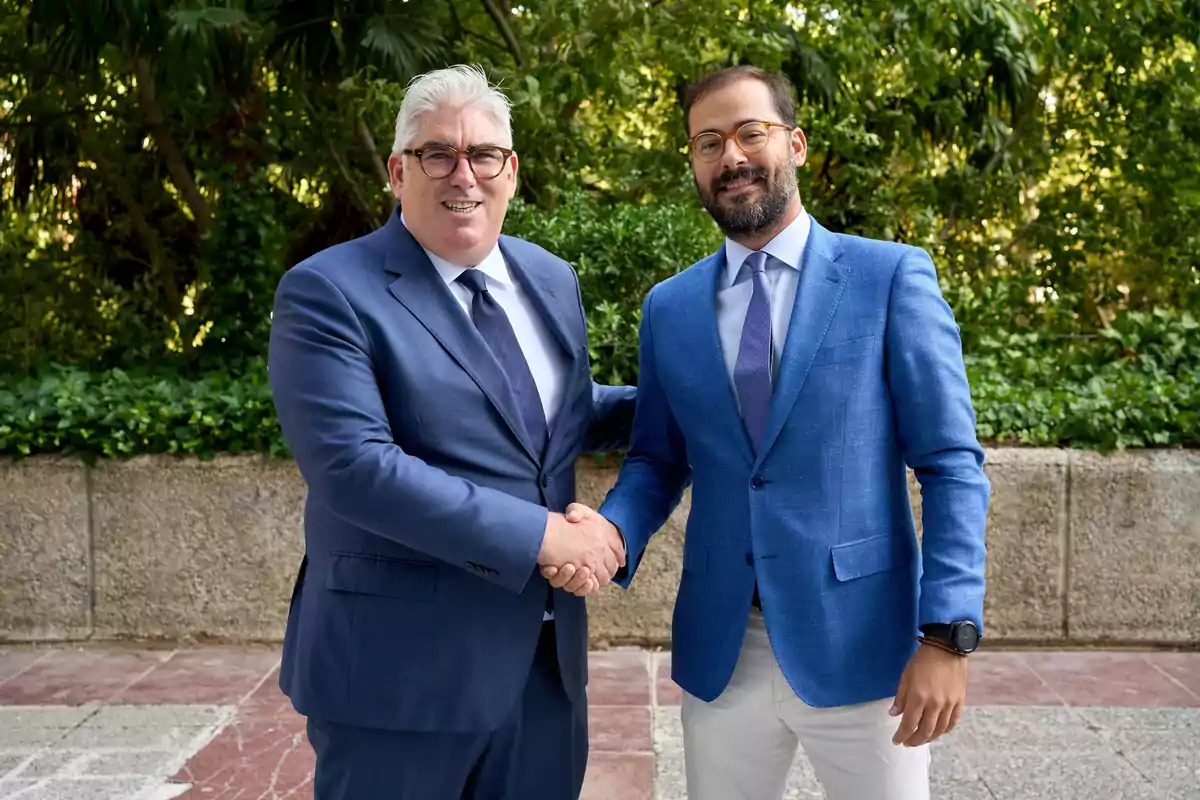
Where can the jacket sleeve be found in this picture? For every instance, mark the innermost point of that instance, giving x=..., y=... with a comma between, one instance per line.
x=333, y=418
x=656, y=469
x=936, y=423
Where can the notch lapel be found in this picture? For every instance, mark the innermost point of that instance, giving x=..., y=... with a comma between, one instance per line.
x=551, y=306
x=822, y=282
x=697, y=320
x=420, y=289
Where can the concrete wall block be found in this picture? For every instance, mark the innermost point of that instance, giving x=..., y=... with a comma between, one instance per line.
x=185, y=547
x=1026, y=541
x=1081, y=548
x=1135, y=547
x=642, y=614
x=45, y=583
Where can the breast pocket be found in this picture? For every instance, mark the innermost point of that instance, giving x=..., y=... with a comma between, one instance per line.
x=850, y=352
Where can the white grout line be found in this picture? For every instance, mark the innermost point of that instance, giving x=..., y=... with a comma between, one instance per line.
x=28, y=666
x=1170, y=677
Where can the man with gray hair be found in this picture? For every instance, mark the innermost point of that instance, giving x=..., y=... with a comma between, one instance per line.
x=432, y=381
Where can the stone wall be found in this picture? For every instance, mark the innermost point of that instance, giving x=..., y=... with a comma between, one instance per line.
x=1082, y=549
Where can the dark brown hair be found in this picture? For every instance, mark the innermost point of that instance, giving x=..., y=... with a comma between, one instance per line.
x=781, y=90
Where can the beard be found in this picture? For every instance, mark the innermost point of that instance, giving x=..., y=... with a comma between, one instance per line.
x=745, y=215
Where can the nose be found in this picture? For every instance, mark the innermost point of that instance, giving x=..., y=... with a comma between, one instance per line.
x=732, y=156
x=462, y=177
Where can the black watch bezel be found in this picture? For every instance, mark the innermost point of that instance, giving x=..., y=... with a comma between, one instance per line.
x=961, y=636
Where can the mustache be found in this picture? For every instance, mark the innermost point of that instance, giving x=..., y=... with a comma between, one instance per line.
x=730, y=175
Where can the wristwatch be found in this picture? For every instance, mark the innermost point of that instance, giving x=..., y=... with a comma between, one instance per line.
x=962, y=637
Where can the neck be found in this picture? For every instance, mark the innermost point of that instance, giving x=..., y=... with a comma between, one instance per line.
x=757, y=241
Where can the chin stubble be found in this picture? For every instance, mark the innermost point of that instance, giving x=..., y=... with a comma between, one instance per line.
x=747, y=216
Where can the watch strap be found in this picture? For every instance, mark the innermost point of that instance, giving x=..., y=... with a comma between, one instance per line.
x=941, y=646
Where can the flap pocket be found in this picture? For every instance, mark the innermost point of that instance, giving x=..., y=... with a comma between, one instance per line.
x=843, y=352
x=362, y=573
x=864, y=557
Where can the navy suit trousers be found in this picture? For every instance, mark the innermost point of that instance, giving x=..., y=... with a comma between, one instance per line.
x=539, y=751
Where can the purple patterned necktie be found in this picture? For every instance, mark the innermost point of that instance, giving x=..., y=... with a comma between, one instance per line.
x=496, y=330
x=752, y=371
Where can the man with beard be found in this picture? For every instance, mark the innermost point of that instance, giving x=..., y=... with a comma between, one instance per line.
x=791, y=378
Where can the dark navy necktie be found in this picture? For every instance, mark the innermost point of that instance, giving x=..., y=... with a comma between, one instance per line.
x=493, y=325
x=753, y=369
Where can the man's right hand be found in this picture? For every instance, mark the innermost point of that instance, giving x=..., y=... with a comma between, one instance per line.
x=580, y=552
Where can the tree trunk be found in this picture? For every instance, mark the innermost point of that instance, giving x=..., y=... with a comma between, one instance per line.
x=364, y=133
x=176, y=164
x=159, y=262
x=505, y=30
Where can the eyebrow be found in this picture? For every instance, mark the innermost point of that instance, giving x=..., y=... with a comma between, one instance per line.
x=736, y=125
x=444, y=143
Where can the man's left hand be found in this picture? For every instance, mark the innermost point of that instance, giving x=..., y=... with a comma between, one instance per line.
x=932, y=693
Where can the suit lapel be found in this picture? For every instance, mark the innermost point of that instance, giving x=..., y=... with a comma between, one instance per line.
x=822, y=281
x=698, y=323
x=551, y=307
x=420, y=289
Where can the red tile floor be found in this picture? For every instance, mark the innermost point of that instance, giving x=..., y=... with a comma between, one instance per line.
x=263, y=751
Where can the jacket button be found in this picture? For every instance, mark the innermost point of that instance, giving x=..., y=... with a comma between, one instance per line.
x=758, y=481
x=750, y=559
x=545, y=481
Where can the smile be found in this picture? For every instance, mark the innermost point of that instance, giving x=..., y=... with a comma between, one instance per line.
x=739, y=183
x=462, y=207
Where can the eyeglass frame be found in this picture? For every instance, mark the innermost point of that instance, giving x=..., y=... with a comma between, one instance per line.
x=725, y=137
x=458, y=154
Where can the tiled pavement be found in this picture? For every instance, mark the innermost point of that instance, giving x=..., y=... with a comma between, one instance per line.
x=208, y=723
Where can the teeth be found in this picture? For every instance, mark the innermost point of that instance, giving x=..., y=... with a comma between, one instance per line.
x=461, y=207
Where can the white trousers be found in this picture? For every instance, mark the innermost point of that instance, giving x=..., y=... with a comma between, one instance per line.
x=741, y=745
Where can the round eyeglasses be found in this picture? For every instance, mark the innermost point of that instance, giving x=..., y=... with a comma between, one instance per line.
x=750, y=137
x=439, y=160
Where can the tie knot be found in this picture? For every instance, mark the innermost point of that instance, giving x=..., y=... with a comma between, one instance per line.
x=757, y=261
x=474, y=280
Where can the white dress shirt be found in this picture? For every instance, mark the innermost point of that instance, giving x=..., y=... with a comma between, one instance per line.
x=736, y=287
x=542, y=352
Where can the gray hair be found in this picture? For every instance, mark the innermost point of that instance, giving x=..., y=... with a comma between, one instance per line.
x=460, y=86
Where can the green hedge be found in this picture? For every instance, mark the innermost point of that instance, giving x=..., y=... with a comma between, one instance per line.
x=620, y=251
x=116, y=414
x=1026, y=392
x=1038, y=376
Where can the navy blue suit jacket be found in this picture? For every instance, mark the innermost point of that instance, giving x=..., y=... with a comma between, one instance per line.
x=420, y=604
x=871, y=381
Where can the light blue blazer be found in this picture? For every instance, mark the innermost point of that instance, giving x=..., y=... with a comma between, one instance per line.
x=871, y=381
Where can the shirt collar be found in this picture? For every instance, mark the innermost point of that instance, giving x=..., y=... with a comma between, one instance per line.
x=492, y=265
x=787, y=247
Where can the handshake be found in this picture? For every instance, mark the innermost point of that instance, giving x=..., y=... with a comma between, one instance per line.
x=581, y=550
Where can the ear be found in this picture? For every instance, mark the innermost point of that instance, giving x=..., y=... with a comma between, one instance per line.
x=396, y=173
x=799, y=146
x=511, y=176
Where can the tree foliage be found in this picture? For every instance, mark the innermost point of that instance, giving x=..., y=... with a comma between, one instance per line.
x=162, y=162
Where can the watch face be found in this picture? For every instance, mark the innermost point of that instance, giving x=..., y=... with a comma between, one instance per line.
x=966, y=636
